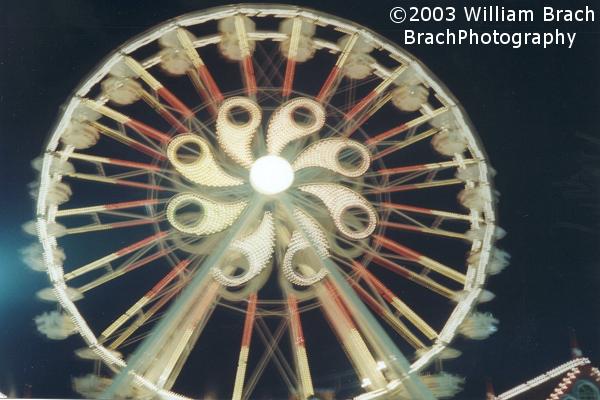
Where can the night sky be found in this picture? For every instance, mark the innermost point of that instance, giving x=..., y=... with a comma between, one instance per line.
x=536, y=111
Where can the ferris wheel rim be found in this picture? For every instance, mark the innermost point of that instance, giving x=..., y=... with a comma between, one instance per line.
x=186, y=20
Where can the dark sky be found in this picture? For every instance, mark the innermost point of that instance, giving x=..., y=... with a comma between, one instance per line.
x=535, y=109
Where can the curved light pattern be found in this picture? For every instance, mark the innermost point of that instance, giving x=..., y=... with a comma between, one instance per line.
x=285, y=128
x=569, y=366
x=236, y=138
x=214, y=216
x=326, y=154
x=258, y=249
x=81, y=125
x=339, y=199
x=204, y=170
x=298, y=243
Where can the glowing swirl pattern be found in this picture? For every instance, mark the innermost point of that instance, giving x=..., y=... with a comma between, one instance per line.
x=311, y=228
x=257, y=248
x=204, y=170
x=339, y=199
x=284, y=126
x=236, y=138
x=214, y=216
x=326, y=154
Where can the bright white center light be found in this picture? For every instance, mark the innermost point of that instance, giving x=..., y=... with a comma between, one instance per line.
x=271, y=175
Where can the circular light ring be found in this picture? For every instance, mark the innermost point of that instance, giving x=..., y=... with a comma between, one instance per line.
x=236, y=139
x=339, y=199
x=283, y=128
x=215, y=216
x=257, y=248
x=308, y=228
x=204, y=170
x=250, y=106
x=326, y=154
x=241, y=293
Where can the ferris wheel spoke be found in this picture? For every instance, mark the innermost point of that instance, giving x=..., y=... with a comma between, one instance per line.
x=269, y=72
x=305, y=385
x=112, y=161
x=422, y=280
x=112, y=225
x=166, y=363
x=202, y=91
x=429, y=211
x=290, y=67
x=158, y=87
x=427, y=167
x=405, y=143
x=406, y=126
x=143, y=318
x=351, y=339
x=389, y=357
x=388, y=316
x=395, y=301
x=246, y=62
x=334, y=77
x=182, y=308
x=266, y=356
x=123, y=119
x=362, y=104
x=381, y=343
x=417, y=186
x=379, y=307
x=126, y=140
x=150, y=240
x=240, y=374
x=126, y=174
x=163, y=112
x=421, y=259
x=118, y=182
x=107, y=207
x=178, y=185
x=426, y=230
x=144, y=300
x=202, y=79
x=352, y=85
x=285, y=371
x=364, y=116
x=128, y=266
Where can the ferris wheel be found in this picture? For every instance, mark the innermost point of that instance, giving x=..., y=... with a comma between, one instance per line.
x=250, y=173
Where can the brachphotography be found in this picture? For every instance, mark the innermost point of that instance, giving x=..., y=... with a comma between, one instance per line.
x=471, y=37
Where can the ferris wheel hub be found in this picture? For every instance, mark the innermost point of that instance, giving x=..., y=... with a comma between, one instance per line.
x=271, y=175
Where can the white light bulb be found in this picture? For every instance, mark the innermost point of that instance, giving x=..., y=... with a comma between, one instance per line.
x=271, y=175
x=381, y=365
